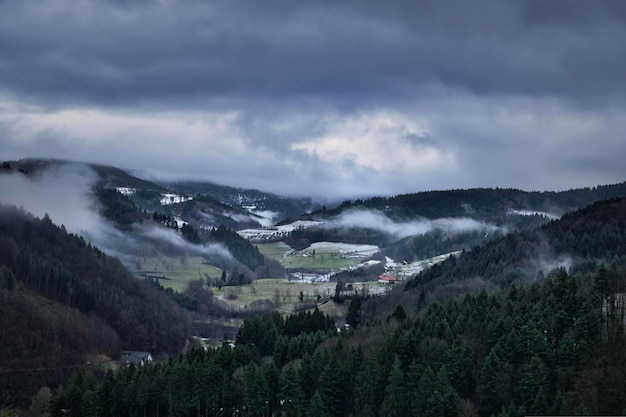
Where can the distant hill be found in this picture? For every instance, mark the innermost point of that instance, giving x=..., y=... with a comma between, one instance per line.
x=142, y=195
x=257, y=201
x=445, y=221
x=406, y=227
x=491, y=204
x=582, y=239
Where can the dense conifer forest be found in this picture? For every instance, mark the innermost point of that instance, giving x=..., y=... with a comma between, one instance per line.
x=554, y=347
x=529, y=323
x=486, y=203
x=547, y=344
x=582, y=239
x=63, y=298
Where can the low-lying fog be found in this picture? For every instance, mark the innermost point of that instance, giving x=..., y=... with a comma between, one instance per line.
x=64, y=193
x=375, y=220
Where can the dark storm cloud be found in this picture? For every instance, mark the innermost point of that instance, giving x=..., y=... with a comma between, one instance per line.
x=123, y=52
x=325, y=98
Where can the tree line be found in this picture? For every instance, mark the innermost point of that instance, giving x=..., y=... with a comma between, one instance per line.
x=63, y=298
x=555, y=347
x=585, y=238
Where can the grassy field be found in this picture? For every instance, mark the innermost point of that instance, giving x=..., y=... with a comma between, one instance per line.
x=276, y=250
x=177, y=271
x=284, y=294
x=281, y=292
x=328, y=255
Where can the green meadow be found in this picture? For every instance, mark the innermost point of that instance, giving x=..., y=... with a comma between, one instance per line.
x=176, y=272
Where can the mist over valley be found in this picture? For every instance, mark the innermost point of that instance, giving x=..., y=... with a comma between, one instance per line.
x=216, y=263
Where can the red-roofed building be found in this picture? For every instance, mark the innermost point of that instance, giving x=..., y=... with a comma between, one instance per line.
x=387, y=279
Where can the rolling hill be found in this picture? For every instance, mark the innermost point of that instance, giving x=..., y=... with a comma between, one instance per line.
x=552, y=344
x=64, y=300
x=495, y=328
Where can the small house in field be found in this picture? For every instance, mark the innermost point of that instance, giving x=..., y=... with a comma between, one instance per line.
x=135, y=357
x=387, y=279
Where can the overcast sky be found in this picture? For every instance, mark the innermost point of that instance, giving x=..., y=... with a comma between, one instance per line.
x=323, y=98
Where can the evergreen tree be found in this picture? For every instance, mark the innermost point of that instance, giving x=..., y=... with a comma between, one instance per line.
x=256, y=394
x=394, y=404
x=352, y=318
x=414, y=397
x=446, y=398
x=534, y=380
x=365, y=392
x=271, y=377
x=290, y=395
x=317, y=408
x=488, y=385
x=332, y=389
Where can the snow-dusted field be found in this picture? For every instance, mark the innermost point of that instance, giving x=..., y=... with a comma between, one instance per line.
x=276, y=231
x=346, y=249
x=408, y=270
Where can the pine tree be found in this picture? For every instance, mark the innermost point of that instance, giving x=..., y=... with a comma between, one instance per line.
x=364, y=392
x=317, y=408
x=532, y=383
x=412, y=381
x=447, y=399
x=331, y=387
x=488, y=385
x=394, y=404
x=256, y=393
x=290, y=392
x=272, y=382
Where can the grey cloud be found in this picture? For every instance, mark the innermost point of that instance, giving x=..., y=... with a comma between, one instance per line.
x=225, y=52
x=64, y=193
x=291, y=70
x=371, y=219
x=61, y=192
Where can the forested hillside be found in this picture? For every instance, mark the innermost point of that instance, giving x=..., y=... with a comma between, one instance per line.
x=284, y=207
x=63, y=299
x=440, y=215
x=487, y=203
x=548, y=344
x=555, y=347
x=581, y=239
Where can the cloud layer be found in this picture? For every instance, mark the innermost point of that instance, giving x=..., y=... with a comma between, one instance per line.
x=64, y=193
x=323, y=98
x=375, y=220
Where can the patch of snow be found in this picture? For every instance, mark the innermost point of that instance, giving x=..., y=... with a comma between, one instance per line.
x=298, y=224
x=127, y=191
x=534, y=213
x=348, y=249
x=390, y=263
x=408, y=270
x=168, y=199
x=310, y=277
x=276, y=231
x=180, y=222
